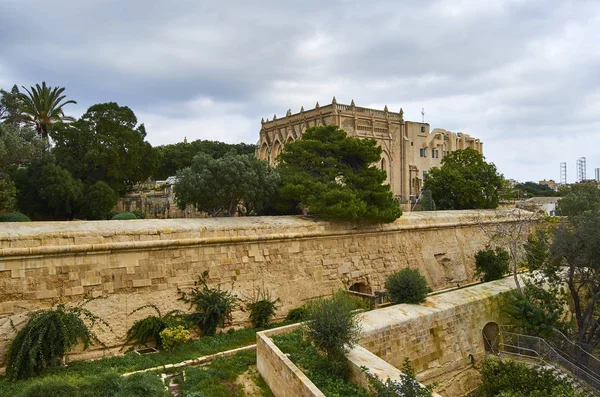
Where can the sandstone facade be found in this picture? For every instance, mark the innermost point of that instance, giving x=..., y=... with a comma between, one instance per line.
x=133, y=263
x=410, y=149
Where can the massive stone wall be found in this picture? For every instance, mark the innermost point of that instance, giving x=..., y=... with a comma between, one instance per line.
x=132, y=263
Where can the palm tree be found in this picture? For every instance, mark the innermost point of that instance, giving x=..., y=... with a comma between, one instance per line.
x=42, y=106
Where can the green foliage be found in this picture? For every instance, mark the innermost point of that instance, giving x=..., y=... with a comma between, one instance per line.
x=180, y=155
x=296, y=314
x=105, y=144
x=332, y=326
x=407, y=386
x=407, y=286
x=14, y=217
x=139, y=213
x=218, y=379
x=536, y=190
x=42, y=106
x=212, y=306
x=262, y=308
x=124, y=216
x=321, y=371
x=492, y=264
x=464, y=181
x=107, y=385
x=10, y=106
x=233, y=184
x=100, y=198
x=333, y=176
x=173, y=336
x=578, y=199
x=517, y=379
x=151, y=327
x=8, y=193
x=48, y=335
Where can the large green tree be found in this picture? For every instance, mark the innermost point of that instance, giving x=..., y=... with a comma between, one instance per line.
x=335, y=177
x=225, y=186
x=9, y=105
x=106, y=144
x=42, y=106
x=578, y=199
x=465, y=181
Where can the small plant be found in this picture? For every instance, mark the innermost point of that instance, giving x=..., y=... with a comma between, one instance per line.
x=297, y=314
x=14, y=217
x=112, y=214
x=173, y=336
x=262, y=308
x=492, y=264
x=407, y=286
x=124, y=216
x=152, y=326
x=139, y=214
x=47, y=338
x=332, y=326
x=213, y=306
x=407, y=386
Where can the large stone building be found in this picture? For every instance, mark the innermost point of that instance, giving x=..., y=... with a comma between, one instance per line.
x=410, y=149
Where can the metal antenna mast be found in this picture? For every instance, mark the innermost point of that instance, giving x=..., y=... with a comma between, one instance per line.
x=563, y=173
x=423, y=114
x=581, y=172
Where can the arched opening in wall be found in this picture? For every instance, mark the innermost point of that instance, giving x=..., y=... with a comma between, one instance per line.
x=275, y=152
x=490, y=333
x=361, y=287
x=263, y=153
x=290, y=139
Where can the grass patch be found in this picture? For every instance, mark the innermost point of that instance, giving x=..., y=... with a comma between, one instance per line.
x=218, y=379
x=86, y=371
x=316, y=366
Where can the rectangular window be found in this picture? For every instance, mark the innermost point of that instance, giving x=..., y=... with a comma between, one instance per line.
x=421, y=152
x=432, y=153
x=424, y=174
x=422, y=129
x=437, y=154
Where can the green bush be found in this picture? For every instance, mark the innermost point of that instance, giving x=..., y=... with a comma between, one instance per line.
x=139, y=213
x=262, y=308
x=112, y=214
x=407, y=386
x=509, y=378
x=107, y=385
x=173, y=336
x=124, y=216
x=407, y=286
x=99, y=199
x=332, y=326
x=146, y=384
x=47, y=337
x=297, y=314
x=14, y=217
x=152, y=326
x=50, y=388
x=492, y=264
x=212, y=306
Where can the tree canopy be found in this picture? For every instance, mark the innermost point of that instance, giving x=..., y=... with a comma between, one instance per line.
x=106, y=144
x=334, y=176
x=465, y=181
x=536, y=190
x=232, y=184
x=578, y=199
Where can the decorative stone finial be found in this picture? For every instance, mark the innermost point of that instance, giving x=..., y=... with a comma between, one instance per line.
x=185, y=140
x=401, y=114
x=385, y=109
x=352, y=103
x=289, y=113
x=301, y=109
x=317, y=105
x=333, y=101
x=262, y=120
x=274, y=117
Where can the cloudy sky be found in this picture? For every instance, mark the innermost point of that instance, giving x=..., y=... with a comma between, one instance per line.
x=522, y=75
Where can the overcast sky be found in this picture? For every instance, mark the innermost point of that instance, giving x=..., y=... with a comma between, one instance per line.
x=524, y=76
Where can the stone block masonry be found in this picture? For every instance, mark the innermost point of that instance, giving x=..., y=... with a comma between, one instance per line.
x=132, y=263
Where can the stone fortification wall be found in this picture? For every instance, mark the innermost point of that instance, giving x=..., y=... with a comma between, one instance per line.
x=132, y=263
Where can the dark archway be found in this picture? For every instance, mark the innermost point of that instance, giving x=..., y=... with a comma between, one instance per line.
x=490, y=333
x=361, y=287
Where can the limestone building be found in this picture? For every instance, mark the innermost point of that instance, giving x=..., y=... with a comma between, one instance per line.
x=410, y=149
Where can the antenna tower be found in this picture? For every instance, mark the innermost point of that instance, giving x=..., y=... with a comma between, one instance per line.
x=563, y=173
x=423, y=114
x=581, y=169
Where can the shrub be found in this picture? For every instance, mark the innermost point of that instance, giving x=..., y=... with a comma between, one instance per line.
x=213, y=306
x=14, y=217
x=173, y=336
x=407, y=386
x=124, y=216
x=262, y=308
x=47, y=337
x=146, y=384
x=492, y=264
x=152, y=326
x=107, y=385
x=139, y=213
x=112, y=214
x=297, y=314
x=407, y=286
x=332, y=326
x=99, y=199
x=50, y=388
x=509, y=378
